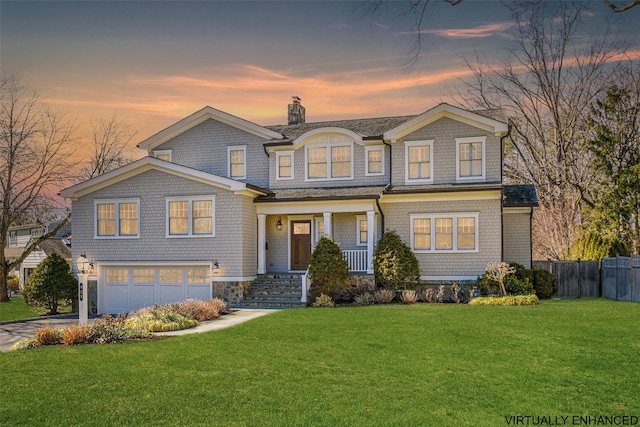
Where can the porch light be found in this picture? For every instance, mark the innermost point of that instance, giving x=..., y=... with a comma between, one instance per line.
x=83, y=263
x=279, y=223
x=216, y=266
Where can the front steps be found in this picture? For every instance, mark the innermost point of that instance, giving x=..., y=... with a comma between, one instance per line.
x=278, y=290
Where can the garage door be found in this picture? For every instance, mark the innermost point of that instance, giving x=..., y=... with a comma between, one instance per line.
x=127, y=288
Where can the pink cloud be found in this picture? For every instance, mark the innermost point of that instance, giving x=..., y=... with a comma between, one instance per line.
x=466, y=33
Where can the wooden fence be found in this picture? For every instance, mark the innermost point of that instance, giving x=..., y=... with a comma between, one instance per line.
x=615, y=278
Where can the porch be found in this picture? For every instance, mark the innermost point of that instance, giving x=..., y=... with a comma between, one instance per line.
x=289, y=230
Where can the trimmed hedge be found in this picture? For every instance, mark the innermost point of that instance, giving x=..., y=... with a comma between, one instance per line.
x=506, y=300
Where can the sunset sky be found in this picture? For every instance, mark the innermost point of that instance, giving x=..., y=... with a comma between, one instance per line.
x=156, y=62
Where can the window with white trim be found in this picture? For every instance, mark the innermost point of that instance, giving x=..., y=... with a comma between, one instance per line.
x=375, y=161
x=444, y=232
x=162, y=155
x=470, y=158
x=191, y=216
x=362, y=230
x=284, y=164
x=237, y=158
x=418, y=161
x=117, y=219
x=329, y=162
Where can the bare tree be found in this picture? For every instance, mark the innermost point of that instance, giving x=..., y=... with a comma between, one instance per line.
x=34, y=164
x=110, y=146
x=547, y=85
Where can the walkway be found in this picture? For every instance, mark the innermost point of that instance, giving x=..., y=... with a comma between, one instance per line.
x=11, y=333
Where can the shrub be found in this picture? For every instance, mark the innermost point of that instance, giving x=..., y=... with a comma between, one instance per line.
x=384, y=296
x=76, y=334
x=201, y=310
x=25, y=344
x=323, y=300
x=364, y=299
x=48, y=335
x=506, y=300
x=51, y=282
x=429, y=295
x=110, y=329
x=442, y=290
x=544, y=283
x=409, y=296
x=517, y=286
x=456, y=293
x=160, y=318
x=497, y=271
x=394, y=263
x=328, y=270
x=13, y=283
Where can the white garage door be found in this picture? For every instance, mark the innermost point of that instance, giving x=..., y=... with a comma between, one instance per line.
x=127, y=288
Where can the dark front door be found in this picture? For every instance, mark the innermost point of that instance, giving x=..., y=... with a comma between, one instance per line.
x=300, y=244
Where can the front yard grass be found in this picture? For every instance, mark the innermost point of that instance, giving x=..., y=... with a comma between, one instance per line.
x=388, y=365
x=16, y=309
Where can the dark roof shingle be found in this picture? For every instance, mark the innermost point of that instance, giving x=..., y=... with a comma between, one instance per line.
x=519, y=195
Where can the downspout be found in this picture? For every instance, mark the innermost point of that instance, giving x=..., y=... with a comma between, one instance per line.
x=386, y=186
x=502, y=138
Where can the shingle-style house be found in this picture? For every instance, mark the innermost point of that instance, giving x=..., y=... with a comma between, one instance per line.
x=220, y=202
x=21, y=235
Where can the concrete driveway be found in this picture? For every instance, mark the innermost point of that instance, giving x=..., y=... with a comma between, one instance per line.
x=11, y=333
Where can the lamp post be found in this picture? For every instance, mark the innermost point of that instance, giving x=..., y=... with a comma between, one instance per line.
x=83, y=265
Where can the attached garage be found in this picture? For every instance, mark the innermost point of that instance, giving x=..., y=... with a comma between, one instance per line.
x=126, y=287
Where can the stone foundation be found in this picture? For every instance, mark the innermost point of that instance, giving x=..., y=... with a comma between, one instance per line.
x=233, y=293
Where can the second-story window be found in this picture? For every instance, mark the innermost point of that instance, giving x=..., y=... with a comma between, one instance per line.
x=471, y=159
x=375, y=159
x=419, y=165
x=237, y=161
x=284, y=165
x=328, y=162
x=117, y=218
x=190, y=216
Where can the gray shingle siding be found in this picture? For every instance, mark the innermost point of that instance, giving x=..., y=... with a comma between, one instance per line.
x=234, y=224
x=444, y=133
x=451, y=264
x=204, y=147
x=517, y=238
x=359, y=178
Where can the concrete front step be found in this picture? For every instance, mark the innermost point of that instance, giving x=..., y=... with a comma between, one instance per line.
x=271, y=304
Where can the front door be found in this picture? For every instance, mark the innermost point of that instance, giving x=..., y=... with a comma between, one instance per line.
x=300, y=244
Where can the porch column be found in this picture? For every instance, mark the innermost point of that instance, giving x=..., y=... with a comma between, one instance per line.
x=261, y=245
x=371, y=225
x=327, y=224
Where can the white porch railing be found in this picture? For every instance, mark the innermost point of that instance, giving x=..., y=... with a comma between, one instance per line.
x=357, y=259
x=305, y=285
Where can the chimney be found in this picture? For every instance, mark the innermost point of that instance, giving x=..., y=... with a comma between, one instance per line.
x=296, y=111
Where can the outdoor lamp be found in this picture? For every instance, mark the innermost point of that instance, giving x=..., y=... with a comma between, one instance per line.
x=83, y=263
x=216, y=266
x=279, y=223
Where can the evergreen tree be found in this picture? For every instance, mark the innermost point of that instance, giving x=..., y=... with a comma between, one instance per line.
x=50, y=283
x=394, y=263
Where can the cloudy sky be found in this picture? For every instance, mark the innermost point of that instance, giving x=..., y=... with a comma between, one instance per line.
x=155, y=62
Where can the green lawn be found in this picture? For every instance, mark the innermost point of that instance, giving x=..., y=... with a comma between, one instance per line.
x=16, y=309
x=394, y=365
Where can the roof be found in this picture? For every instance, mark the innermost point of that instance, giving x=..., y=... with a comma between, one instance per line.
x=57, y=246
x=364, y=127
x=152, y=163
x=442, y=188
x=521, y=195
x=308, y=194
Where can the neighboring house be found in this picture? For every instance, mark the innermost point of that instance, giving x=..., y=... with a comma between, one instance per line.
x=220, y=201
x=20, y=236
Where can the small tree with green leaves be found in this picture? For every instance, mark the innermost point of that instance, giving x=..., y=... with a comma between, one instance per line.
x=51, y=282
x=328, y=270
x=394, y=264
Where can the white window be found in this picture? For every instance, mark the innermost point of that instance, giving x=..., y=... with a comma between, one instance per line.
x=329, y=162
x=237, y=161
x=362, y=230
x=418, y=161
x=191, y=216
x=444, y=232
x=319, y=221
x=284, y=164
x=117, y=219
x=162, y=155
x=375, y=161
x=470, y=158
